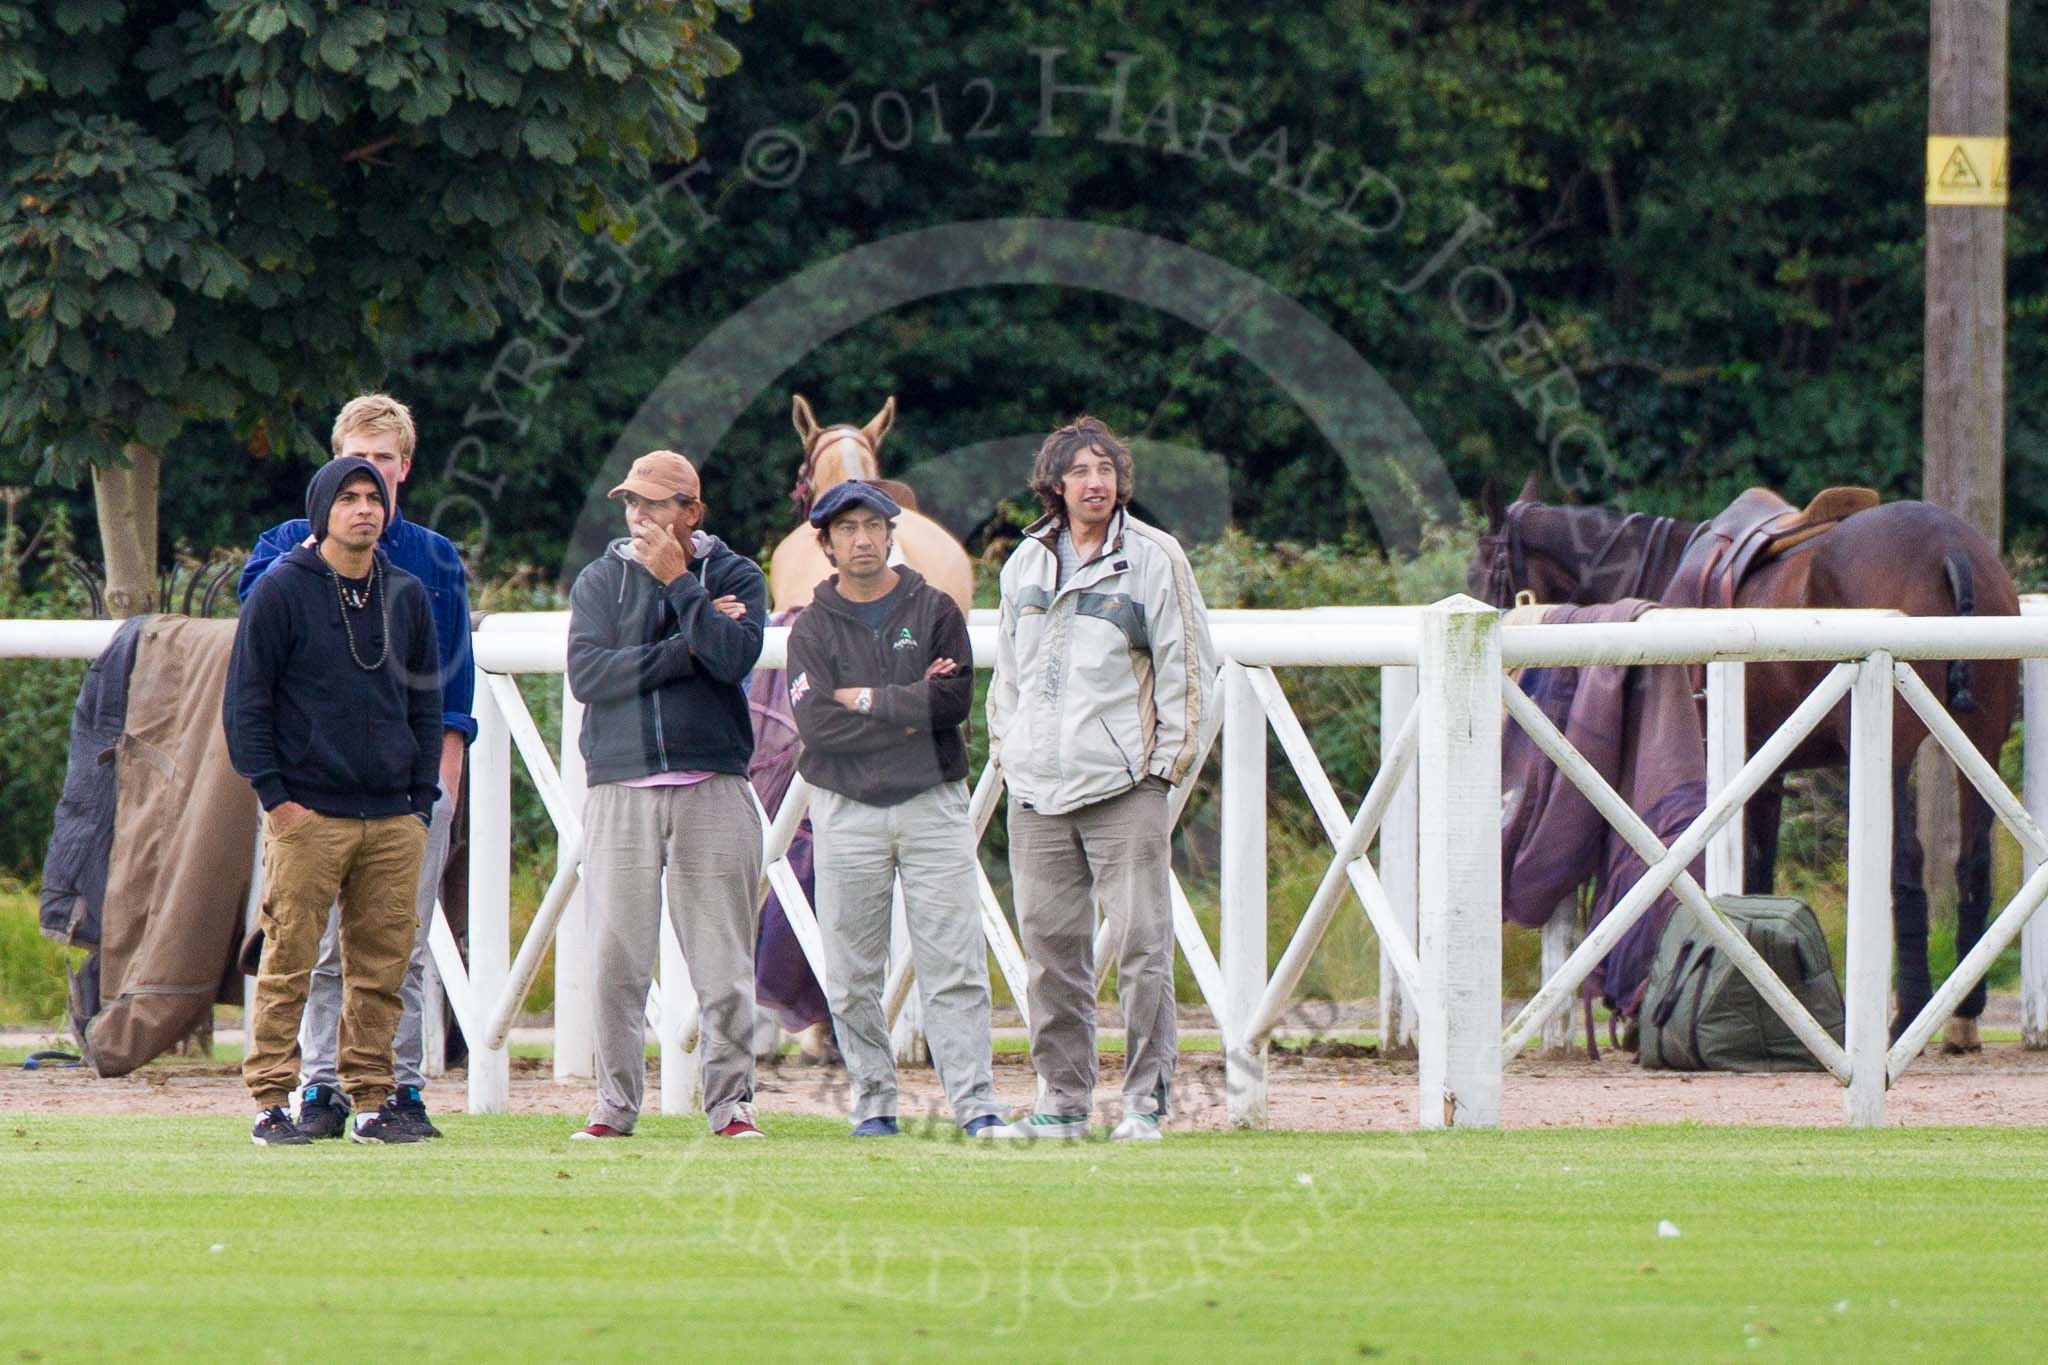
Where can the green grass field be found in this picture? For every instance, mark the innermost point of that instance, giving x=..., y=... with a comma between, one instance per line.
x=158, y=1238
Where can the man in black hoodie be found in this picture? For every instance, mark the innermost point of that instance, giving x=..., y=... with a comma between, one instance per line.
x=663, y=630
x=881, y=677
x=333, y=713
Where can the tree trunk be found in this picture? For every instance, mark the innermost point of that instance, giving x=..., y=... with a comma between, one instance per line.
x=125, y=499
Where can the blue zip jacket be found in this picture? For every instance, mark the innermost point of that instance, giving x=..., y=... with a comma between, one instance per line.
x=428, y=556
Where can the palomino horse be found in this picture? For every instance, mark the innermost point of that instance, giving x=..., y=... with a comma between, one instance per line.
x=833, y=455
x=1908, y=556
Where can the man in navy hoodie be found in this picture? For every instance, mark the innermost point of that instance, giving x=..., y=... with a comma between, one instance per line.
x=379, y=428
x=333, y=713
x=663, y=630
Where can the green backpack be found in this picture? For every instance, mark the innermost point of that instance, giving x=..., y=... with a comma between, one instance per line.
x=1700, y=1013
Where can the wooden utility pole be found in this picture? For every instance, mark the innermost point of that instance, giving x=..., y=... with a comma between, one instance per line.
x=1963, y=393
x=1962, y=420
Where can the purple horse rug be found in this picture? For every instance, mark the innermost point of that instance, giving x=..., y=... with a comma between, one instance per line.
x=1640, y=728
x=783, y=980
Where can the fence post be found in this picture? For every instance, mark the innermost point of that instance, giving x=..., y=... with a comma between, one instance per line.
x=1727, y=751
x=490, y=897
x=1398, y=1011
x=1243, y=894
x=1870, y=889
x=575, y=985
x=2034, y=785
x=1458, y=799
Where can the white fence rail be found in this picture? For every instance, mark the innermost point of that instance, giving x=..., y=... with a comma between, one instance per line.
x=1432, y=893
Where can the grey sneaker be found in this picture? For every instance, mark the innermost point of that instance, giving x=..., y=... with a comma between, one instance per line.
x=1137, y=1128
x=1042, y=1126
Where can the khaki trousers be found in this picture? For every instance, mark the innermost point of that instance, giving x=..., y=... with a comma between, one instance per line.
x=1116, y=854
x=372, y=869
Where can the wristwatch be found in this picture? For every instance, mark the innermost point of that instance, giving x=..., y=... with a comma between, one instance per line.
x=864, y=700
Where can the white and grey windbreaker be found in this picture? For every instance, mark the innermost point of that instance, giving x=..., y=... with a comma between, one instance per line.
x=1104, y=680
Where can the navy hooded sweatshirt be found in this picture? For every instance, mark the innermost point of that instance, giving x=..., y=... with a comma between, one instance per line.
x=305, y=721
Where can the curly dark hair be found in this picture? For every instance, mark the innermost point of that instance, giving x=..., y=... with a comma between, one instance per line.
x=1059, y=452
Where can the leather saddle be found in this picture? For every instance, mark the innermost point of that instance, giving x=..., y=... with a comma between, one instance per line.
x=1757, y=527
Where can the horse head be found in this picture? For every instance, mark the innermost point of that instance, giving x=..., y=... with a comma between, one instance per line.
x=1504, y=564
x=834, y=454
x=1540, y=552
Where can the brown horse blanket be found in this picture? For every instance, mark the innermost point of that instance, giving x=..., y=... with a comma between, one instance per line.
x=1640, y=729
x=182, y=841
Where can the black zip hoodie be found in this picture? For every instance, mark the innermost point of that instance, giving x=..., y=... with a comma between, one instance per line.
x=911, y=741
x=661, y=671
x=304, y=722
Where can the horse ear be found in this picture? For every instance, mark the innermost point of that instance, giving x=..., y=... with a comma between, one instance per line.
x=879, y=425
x=1490, y=503
x=1532, y=489
x=801, y=417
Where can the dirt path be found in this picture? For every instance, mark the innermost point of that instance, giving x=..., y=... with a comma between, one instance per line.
x=2004, y=1086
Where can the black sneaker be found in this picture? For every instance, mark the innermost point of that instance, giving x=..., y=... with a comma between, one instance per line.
x=321, y=1113
x=274, y=1128
x=407, y=1108
x=381, y=1127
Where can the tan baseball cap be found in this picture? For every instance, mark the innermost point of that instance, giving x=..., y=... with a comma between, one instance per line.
x=658, y=474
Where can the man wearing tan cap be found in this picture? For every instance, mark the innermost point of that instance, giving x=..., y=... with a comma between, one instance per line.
x=663, y=629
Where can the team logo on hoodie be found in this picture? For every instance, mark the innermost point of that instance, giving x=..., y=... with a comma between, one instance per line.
x=904, y=640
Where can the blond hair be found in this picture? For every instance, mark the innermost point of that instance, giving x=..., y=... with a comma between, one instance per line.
x=378, y=414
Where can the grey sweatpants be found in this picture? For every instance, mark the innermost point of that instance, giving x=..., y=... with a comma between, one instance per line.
x=1116, y=853
x=320, y=1026
x=861, y=850
x=703, y=843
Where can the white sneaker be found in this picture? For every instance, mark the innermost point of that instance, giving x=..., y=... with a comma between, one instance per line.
x=1042, y=1126
x=1137, y=1128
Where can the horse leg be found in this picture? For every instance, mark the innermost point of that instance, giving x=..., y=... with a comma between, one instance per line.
x=1760, y=837
x=1909, y=904
x=1973, y=907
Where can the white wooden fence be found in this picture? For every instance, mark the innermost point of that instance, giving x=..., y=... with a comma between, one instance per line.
x=1432, y=892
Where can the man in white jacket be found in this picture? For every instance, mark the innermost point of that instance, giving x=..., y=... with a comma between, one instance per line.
x=1104, y=676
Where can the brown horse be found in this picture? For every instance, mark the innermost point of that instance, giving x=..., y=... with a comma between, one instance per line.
x=832, y=455
x=1907, y=556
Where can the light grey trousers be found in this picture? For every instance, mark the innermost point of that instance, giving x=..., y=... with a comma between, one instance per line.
x=320, y=1026
x=860, y=852
x=1117, y=854
x=703, y=843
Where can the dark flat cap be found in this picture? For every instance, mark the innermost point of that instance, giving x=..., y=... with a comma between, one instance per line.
x=853, y=493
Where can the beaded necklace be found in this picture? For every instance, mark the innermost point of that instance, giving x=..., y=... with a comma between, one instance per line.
x=350, y=598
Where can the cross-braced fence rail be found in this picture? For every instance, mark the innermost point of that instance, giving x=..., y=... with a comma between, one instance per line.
x=1421, y=852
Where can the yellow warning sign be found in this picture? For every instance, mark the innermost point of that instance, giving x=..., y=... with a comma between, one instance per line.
x=1967, y=170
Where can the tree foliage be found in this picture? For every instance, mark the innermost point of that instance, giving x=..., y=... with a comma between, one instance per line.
x=227, y=211
x=1708, y=220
